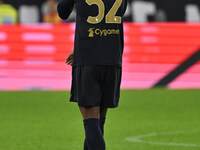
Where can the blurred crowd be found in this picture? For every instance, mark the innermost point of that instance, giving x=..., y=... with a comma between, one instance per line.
x=29, y=13
x=34, y=11
x=8, y=14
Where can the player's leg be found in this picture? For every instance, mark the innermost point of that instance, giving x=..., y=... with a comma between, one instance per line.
x=90, y=112
x=87, y=84
x=94, y=137
x=103, y=112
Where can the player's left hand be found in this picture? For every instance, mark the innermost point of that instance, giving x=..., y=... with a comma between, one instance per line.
x=69, y=59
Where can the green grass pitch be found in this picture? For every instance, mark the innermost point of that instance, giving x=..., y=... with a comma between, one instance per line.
x=157, y=119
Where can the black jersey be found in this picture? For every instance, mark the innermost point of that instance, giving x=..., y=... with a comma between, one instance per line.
x=99, y=36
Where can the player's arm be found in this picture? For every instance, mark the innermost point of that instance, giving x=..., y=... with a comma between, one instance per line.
x=65, y=8
x=125, y=6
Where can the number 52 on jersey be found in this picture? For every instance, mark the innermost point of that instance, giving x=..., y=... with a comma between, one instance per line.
x=110, y=16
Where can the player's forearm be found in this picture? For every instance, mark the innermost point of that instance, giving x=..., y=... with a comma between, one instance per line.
x=65, y=8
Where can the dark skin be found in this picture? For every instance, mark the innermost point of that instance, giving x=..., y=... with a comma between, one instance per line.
x=88, y=112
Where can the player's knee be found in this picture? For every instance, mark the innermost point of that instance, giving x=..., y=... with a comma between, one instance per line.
x=103, y=112
x=90, y=112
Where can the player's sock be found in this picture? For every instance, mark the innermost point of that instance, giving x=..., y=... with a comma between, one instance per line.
x=102, y=122
x=94, y=137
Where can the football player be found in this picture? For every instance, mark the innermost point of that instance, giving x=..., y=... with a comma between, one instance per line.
x=96, y=62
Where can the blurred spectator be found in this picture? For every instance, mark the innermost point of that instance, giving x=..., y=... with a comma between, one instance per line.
x=51, y=15
x=8, y=14
x=25, y=11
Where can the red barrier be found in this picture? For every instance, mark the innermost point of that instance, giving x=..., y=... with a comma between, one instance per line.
x=32, y=56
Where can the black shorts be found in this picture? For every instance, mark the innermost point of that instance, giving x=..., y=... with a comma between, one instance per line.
x=96, y=86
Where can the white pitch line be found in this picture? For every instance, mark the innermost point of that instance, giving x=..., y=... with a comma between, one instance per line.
x=138, y=139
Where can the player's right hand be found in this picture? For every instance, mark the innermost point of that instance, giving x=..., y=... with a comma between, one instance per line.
x=69, y=59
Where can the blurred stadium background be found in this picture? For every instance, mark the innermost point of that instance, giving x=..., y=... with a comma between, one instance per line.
x=164, y=35
x=162, y=49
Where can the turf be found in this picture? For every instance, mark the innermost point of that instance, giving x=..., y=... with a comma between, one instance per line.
x=44, y=120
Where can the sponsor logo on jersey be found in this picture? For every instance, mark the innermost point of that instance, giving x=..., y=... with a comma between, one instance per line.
x=104, y=32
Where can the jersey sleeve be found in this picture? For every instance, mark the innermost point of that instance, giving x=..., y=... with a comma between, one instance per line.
x=125, y=6
x=65, y=8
